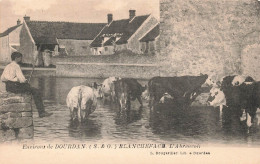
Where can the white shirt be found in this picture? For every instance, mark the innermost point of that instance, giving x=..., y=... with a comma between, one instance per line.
x=13, y=72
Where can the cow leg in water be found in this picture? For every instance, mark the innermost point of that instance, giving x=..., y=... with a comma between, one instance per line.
x=243, y=115
x=73, y=113
x=128, y=104
x=252, y=113
x=248, y=120
x=151, y=102
x=140, y=100
x=221, y=114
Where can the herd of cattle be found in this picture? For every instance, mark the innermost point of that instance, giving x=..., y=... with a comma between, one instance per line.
x=238, y=93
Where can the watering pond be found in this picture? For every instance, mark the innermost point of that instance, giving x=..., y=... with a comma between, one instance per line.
x=165, y=124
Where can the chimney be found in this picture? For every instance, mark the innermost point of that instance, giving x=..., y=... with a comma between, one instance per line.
x=131, y=14
x=26, y=18
x=109, y=18
x=18, y=22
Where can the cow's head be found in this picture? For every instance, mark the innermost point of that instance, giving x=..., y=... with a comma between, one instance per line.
x=238, y=80
x=217, y=97
x=117, y=78
x=212, y=82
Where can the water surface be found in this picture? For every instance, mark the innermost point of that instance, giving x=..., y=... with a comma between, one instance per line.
x=165, y=124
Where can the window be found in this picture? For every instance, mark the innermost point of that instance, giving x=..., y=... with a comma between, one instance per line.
x=95, y=51
x=106, y=48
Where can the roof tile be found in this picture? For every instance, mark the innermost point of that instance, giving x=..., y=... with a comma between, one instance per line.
x=151, y=35
x=123, y=27
x=9, y=30
x=47, y=32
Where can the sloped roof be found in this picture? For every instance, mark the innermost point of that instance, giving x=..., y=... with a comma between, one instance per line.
x=47, y=32
x=132, y=28
x=117, y=26
x=109, y=41
x=9, y=30
x=124, y=27
x=151, y=35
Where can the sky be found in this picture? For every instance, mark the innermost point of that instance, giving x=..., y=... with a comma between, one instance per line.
x=88, y=11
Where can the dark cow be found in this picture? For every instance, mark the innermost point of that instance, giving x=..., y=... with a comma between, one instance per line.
x=243, y=97
x=127, y=90
x=240, y=97
x=182, y=90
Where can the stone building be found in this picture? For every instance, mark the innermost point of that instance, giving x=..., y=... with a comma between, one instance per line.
x=9, y=42
x=62, y=38
x=211, y=36
x=150, y=41
x=122, y=34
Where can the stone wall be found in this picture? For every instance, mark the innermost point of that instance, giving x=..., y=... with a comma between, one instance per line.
x=123, y=57
x=251, y=56
x=76, y=47
x=16, y=121
x=104, y=70
x=207, y=36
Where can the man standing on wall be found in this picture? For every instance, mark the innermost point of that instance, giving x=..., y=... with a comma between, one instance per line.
x=16, y=83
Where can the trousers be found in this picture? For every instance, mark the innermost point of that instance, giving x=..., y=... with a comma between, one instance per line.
x=16, y=87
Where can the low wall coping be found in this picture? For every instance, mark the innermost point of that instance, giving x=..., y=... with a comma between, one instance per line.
x=37, y=69
x=107, y=64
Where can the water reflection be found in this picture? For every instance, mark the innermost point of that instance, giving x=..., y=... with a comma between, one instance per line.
x=231, y=122
x=87, y=130
x=174, y=122
x=233, y=129
x=125, y=117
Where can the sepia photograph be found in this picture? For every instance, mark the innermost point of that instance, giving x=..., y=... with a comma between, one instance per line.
x=119, y=81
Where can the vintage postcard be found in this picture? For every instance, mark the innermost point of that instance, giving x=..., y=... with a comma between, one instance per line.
x=119, y=81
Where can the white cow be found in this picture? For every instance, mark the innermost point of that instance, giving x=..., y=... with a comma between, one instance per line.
x=107, y=88
x=219, y=98
x=81, y=101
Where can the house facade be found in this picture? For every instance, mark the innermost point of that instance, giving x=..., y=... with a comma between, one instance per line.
x=122, y=34
x=60, y=38
x=149, y=43
x=9, y=42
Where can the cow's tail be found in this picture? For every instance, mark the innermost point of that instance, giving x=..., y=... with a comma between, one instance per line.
x=79, y=103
